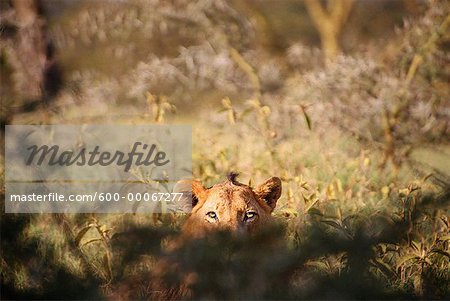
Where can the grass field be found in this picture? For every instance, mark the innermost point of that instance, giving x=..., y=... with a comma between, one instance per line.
x=360, y=144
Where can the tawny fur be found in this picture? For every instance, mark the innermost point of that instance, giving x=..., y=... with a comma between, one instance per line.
x=230, y=201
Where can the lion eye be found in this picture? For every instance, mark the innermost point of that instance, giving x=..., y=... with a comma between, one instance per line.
x=250, y=215
x=211, y=215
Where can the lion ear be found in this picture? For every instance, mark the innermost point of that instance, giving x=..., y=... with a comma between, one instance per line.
x=192, y=191
x=269, y=191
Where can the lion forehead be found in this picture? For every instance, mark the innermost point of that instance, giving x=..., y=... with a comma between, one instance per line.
x=230, y=195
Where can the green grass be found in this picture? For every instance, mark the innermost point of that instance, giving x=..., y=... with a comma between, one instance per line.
x=335, y=198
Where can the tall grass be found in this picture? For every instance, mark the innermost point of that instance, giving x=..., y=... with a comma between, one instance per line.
x=364, y=212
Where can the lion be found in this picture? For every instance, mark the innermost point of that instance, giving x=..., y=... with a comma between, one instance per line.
x=229, y=205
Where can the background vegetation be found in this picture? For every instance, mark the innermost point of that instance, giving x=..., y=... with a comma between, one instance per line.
x=346, y=101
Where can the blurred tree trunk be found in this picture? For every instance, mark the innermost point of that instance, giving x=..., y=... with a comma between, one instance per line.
x=28, y=58
x=28, y=62
x=412, y=6
x=329, y=22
